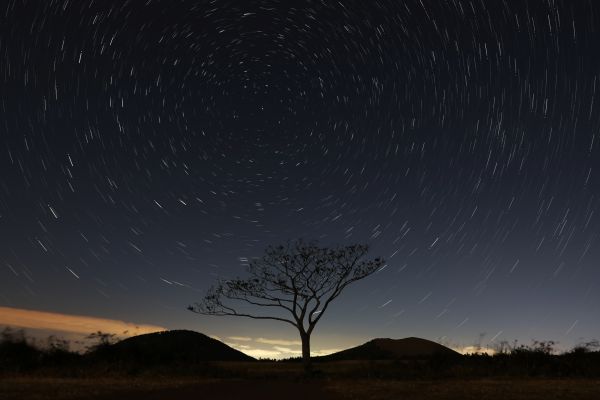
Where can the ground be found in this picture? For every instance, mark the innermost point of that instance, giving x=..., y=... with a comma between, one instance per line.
x=286, y=389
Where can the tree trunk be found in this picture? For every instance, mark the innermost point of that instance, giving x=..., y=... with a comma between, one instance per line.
x=306, y=352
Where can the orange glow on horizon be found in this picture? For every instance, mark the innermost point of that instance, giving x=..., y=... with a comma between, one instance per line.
x=82, y=324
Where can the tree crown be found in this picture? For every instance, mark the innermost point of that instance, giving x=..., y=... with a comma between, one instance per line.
x=299, y=279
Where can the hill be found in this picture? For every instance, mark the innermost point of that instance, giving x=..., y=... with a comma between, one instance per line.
x=178, y=346
x=392, y=349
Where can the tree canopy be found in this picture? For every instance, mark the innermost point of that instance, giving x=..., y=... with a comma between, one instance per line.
x=293, y=283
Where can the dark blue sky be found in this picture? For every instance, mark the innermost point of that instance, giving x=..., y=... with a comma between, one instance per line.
x=149, y=147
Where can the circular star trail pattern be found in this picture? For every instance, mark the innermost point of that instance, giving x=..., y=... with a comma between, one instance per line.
x=149, y=147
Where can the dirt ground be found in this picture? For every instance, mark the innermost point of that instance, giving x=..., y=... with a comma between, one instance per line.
x=161, y=389
x=488, y=389
x=264, y=389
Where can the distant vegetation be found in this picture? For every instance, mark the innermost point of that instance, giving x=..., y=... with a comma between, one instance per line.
x=177, y=352
x=19, y=354
x=193, y=354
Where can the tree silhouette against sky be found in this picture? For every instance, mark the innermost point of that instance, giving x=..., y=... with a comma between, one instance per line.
x=293, y=283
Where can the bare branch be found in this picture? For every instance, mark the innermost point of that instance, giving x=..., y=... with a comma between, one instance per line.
x=300, y=278
x=236, y=314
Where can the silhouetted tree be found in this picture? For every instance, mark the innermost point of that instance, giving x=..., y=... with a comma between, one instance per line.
x=586, y=347
x=17, y=354
x=102, y=341
x=295, y=282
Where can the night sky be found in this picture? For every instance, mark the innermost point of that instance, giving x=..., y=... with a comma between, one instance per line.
x=148, y=148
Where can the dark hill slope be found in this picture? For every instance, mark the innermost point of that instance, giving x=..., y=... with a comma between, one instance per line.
x=179, y=346
x=392, y=349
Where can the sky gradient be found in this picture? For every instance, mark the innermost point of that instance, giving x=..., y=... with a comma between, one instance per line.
x=151, y=147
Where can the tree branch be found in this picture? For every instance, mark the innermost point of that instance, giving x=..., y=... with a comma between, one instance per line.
x=236, y=314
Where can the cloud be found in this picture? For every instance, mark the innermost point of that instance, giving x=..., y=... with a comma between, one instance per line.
x=241, y=347
x=262, y=353
x=476, y=349
x=81, y=324
x=278, y=348
x=323, y=352
x=287, y=350
x=239, y=338
x=279, y=342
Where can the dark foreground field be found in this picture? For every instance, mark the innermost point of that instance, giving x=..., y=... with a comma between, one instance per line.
x=165, y=371
x=291, y=389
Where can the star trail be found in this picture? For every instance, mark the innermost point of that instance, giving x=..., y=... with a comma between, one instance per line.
x=150, y=147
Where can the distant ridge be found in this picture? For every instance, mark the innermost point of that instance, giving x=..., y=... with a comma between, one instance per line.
x=177, y=346
x=392, y=349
